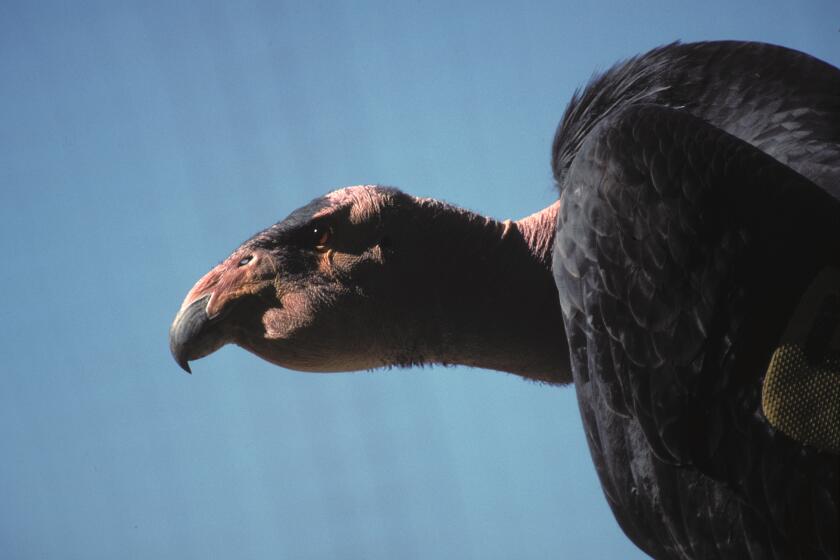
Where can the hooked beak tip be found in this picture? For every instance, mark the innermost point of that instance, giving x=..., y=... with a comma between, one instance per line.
x=186, y=332
x=185, y=365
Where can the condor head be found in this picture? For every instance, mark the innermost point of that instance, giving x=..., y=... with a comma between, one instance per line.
x=322, y=290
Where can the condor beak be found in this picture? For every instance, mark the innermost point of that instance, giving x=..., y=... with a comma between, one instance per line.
x=200, y=327
x=186, y=340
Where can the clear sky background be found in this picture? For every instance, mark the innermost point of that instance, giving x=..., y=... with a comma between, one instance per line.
x=141, y=142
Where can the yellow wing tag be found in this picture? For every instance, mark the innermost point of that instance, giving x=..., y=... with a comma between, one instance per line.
x=801, y=392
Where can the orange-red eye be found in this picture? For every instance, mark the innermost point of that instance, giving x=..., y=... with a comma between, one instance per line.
x=321, y=235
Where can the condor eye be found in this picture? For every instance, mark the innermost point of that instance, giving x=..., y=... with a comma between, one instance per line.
x=245, y=260
x=321, y=236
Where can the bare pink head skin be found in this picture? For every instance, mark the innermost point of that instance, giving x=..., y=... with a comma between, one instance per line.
x=368, y=277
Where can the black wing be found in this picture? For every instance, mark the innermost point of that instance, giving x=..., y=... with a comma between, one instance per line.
x=680, y=254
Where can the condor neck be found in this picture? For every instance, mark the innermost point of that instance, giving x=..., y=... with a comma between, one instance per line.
x=495, y=303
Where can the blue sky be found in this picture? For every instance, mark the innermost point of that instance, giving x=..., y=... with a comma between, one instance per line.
x=143, y=141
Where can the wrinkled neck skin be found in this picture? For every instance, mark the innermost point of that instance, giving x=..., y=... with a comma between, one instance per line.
x=485, y=295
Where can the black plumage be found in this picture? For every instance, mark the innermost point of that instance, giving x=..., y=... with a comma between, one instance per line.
x=696, y=206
